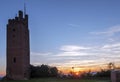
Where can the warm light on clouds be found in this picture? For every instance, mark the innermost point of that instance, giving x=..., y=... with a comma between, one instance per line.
x=82, y=58
x=2, y=65
x=2, y=73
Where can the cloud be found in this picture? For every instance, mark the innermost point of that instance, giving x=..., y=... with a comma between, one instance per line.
x=71, y=54
x=111, y=31
x=73, y=48
x=111, y=46
x=113, y=49
x=74, y=25
x=40, y=54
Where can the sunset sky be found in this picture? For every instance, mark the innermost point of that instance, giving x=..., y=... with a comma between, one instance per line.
x=84, y=34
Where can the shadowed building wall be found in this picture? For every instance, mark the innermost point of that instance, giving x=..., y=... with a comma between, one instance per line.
x=115, y=75
x=18, y=49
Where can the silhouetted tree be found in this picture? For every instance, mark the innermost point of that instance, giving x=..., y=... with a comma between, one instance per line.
x=103, y=73
x=53, y=71
x=111, y=65
x=43, y=71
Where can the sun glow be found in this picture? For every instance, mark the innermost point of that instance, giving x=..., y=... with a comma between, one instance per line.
x=77, y=73
x=77, y=70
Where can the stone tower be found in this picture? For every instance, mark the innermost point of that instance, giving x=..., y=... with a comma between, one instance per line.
x=18, y=49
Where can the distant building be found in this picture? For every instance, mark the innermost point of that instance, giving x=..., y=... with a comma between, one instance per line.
x=115, y=75
x=18, y=49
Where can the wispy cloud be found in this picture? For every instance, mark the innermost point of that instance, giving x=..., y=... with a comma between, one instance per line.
x=74, y=25
x=110, y=31
x=111, y=46
x=40, y=54
x=73, y=48
x=71, y=54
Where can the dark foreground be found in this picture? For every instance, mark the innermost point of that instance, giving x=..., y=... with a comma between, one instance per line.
x=60, y=80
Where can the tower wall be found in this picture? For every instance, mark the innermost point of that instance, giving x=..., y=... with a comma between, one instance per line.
x=18, y=49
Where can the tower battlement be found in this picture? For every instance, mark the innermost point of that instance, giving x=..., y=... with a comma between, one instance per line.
x=19, y=19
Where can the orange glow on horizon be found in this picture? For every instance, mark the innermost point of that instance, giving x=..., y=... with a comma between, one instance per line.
x=77, y=70
x=2, y=73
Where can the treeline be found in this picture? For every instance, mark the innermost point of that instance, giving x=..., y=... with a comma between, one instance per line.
x=105, y=73
x=102, y=73
x=43, y=71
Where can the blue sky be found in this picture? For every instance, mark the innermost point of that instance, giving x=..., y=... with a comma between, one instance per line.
x=67, y=32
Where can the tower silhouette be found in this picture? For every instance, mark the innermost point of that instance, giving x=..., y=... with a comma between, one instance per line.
x=18, y=49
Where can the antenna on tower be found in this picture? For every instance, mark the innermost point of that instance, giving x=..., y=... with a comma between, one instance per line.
x=15, y=15
x=24, y=9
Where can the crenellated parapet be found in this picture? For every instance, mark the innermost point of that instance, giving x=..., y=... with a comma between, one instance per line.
x=19, y=19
